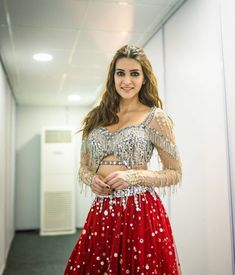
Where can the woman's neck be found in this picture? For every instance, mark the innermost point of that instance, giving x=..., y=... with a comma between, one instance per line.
x=129, y=105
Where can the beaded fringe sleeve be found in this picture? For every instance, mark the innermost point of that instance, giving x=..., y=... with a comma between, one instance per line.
x=162, y=136
x=85, y=174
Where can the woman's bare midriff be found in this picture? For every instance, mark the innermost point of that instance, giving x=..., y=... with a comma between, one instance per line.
x=105, y=170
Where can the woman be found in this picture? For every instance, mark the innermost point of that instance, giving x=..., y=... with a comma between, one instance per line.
x=127, y=230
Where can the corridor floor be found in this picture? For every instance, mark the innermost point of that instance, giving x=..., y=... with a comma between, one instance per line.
x=32, y=254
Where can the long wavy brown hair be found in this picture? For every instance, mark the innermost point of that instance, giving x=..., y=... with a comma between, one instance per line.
x=106, y=112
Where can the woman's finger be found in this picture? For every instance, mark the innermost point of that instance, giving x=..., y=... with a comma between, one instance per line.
x=97, y=189
x=112, y=182
x=110, y=176
x=119, y=185
x=101, y=183
x=122, y=185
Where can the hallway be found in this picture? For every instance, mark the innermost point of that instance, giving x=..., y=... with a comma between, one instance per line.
x=54, y=58
x=32, y=254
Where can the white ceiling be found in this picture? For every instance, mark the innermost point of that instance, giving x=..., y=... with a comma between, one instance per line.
x=81, y=35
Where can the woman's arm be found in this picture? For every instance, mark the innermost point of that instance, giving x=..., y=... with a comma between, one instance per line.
x=85, y=173
x=89, y=177
x=162, y=137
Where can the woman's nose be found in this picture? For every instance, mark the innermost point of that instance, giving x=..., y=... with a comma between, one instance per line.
x=127, y=79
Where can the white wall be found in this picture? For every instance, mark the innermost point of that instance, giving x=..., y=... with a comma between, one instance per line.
x=155, y=54
x=29, y=123
x=7, y=160
x=194, y=96
x=228, y=39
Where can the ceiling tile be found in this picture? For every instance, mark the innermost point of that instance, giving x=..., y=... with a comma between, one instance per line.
x=96, y=59
x=49, y=14
x=75, y=84
x=104, y=41
x=44, y=83
x=45, y=98
x=130, y=18
x=85, y=73
x=135, y=2
x=5, y=43
x=3, y=21
x=43, y=39
x=27, y=65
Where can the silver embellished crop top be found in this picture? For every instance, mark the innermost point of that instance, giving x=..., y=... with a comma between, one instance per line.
x=133, y=145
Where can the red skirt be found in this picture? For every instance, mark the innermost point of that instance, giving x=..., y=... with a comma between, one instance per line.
x=118, y=240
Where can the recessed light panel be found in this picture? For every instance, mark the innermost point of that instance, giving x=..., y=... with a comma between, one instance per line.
x=42, y=57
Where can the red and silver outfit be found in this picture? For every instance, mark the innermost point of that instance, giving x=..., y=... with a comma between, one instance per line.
x=128, y=232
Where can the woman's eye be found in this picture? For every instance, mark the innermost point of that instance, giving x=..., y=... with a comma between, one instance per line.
x=135, y=74
x=120, y=73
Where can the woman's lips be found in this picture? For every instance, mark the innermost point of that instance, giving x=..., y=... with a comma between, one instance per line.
x=127, y=89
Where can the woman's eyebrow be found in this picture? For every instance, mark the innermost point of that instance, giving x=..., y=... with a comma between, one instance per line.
x=133, y=70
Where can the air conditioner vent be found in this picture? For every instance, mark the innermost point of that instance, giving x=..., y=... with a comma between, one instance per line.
x=57, y=211
x=57, y=136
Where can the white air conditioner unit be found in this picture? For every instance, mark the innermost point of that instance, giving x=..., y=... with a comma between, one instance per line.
x=57, y=209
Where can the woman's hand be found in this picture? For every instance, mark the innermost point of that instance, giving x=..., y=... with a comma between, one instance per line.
x=99, y=187
x=116, y=180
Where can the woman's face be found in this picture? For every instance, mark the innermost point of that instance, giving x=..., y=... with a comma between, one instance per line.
x=128, y=77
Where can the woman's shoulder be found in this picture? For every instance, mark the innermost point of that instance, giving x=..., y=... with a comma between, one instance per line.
x=161, y=118
x=159, y=112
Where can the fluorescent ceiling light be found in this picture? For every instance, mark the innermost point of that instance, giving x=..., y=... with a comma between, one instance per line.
x=74, y=97
x=42, y=57
x=123, y=3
